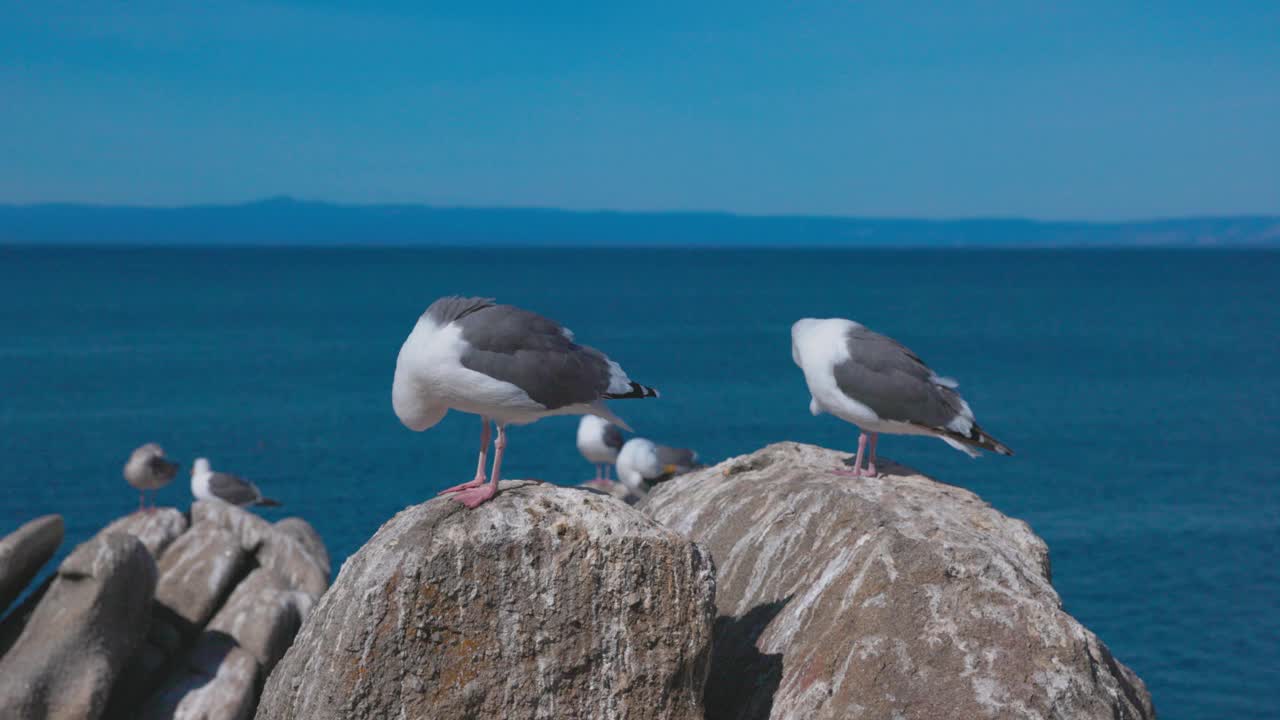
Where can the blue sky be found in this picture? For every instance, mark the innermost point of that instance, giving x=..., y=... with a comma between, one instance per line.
x=1083, y=110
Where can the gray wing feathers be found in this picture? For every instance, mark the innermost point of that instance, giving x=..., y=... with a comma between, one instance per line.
x=534, y=354
x=680, y=457
x=162, y=469
x=612, y=436
x=233, y=489
x=885, y=376
x=451, y=308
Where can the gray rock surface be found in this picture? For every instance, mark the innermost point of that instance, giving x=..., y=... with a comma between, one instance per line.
x=197, y=573
x=612, y=488
x=92, y=619
x=301, y=530
x=546, y=602
x=278, y=549
x=217, y=682
x=23, y=552
x=262, y=616
x=887, y=597
x=218, y=567
x=155, y=528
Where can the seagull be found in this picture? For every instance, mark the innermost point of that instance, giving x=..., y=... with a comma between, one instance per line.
x=507, y=365
x=876, y=383
x=599, y=442
x=643, y=464
x=209, y=485
x=148, y=469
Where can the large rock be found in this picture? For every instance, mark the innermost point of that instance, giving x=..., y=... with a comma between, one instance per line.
x=86, y=626
x=546, y=602
x=196, y=574
x=262, y=616
x=156, y=528
x=881, y=598
x=23, y=552
x=189, y=669
x=218, y=682
x=303, y=532
x=283, y=550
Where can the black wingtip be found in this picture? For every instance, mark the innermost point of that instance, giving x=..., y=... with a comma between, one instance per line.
x=977, y=438
x=986, y=442
x=637, y=391
x=268, y=502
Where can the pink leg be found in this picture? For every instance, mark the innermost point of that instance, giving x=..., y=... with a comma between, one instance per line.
x=142, y=503
x=607, y=471
x=857, y=460
x=484, y=454
x=599, y=473
x=477, y=496
x=871, y=460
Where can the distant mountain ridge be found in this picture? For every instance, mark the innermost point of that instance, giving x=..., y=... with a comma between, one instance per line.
x=287, y=222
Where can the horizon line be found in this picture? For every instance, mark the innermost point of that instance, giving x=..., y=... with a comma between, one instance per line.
x=290, y=199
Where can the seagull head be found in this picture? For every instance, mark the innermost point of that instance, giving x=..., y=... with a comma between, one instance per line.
x=799, y=330
x=201, y=465
x=637, y=462
x=146, y=452
x=418, y=413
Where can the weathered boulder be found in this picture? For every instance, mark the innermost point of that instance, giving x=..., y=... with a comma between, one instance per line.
x=86, y=626
x=155, y=528
x=895, y=596
x=262, y=616
x=196, y=574
x=217, y=682
x=546, y=602
x=219, y=567
x=303, y=532
x=280, y=550
x=23, y=552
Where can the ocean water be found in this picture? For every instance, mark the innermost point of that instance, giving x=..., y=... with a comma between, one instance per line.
x=1140, y=389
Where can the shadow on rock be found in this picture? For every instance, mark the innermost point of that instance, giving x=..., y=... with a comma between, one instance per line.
x=743, y=680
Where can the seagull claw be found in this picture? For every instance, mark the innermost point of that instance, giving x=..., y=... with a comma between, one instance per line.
x=464, y=486
x=476, y=496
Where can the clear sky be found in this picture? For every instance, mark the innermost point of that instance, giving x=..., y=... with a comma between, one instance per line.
x=1080, y=110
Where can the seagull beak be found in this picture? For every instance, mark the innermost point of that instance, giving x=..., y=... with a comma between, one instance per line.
x=669, y=469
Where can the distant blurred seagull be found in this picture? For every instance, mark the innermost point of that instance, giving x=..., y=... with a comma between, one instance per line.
x=209, y=485
x=599, y=442
x=504, y=364
x=876, y=383
x=148, y=469
x=642, y=464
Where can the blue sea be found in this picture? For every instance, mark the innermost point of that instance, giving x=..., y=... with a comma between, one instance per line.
x=1140, y=390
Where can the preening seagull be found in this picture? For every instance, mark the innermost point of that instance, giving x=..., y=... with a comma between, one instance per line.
x=504, y=364
x=209, y=485
x=876, y=383
x=149, y=469
x=599, y=442
x=643, y=463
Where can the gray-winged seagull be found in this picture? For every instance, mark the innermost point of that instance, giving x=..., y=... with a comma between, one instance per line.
x=599, y=442
x=643, y=463
x=148, y=469
x=876, y=383
x=209, y=485
x=504, y=364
